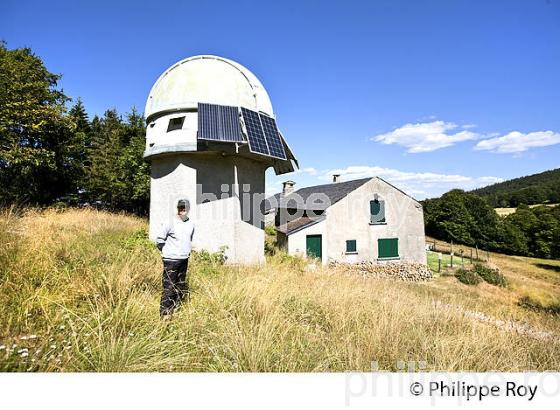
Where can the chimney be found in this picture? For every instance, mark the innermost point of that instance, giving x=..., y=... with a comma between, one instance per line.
x=336, y=178
x=288, y=187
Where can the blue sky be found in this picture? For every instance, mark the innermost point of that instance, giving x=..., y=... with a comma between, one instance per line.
x=430, y=95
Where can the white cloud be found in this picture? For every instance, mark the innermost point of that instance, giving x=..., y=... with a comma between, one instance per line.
x=427, y=136
x=516, y=142
x=419, y=184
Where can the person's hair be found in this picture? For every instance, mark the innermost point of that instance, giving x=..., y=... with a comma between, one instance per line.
x=183, y=204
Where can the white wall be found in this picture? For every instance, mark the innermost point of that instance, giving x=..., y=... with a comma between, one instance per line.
x=297, y=244
x=157, y=135
x=218, y=222
x=350, y=219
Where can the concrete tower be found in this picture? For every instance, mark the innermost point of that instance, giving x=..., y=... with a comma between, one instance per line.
x=211, y=134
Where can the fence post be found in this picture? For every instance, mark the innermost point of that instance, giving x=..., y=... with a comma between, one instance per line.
x=439, y=262
x=476, y=252
x=487, y=256
x=462, y=261
x=471, y=256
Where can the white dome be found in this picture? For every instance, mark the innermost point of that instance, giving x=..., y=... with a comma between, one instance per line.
x=207, y=79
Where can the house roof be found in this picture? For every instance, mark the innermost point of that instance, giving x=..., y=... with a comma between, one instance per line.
x=272, y=202
x=299, y=223
x=334, y=192
x=326, y=195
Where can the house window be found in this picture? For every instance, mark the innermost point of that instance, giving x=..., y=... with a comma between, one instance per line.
x=388, y=248
x=351, y=246
x=175, y=124
x=377, y=211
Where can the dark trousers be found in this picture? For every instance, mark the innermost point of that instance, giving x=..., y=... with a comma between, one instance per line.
x=174, y=285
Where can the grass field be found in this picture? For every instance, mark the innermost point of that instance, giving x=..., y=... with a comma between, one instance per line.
x=79, y=291
x=508, y=211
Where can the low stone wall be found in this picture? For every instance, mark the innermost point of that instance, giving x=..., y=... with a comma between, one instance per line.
x=401, y=270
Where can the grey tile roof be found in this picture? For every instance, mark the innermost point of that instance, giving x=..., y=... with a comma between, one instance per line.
x=324, y=196
x=272, y=202
x=299, y=223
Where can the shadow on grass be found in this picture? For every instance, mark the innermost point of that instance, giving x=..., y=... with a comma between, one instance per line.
x=554, y=268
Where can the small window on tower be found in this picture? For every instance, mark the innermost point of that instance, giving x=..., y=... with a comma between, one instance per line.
x=175, y=124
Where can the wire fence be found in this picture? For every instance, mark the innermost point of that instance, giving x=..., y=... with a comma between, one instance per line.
x=453, y=256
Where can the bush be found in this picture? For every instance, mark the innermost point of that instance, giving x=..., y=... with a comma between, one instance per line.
x=468, y=277
x=269, y=248
x=138, y=239
x=210, y=258
x=492, y=276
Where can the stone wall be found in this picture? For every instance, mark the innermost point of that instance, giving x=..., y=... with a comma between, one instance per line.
x=402, y=270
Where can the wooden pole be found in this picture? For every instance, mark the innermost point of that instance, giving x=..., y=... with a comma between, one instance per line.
x=476, y=252
x=462, y=261
x=451, y=254
x=439, y=262
x=487, y=256
x=471, y=256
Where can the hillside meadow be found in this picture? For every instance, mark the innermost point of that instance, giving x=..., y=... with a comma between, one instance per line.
x=79, y=291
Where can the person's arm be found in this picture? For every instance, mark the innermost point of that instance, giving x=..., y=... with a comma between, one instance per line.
x=162, y=236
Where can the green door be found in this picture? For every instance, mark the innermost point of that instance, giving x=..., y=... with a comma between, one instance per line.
x=314, y=246
x=388, y=248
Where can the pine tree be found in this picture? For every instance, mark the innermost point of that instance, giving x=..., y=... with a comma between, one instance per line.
x=80, y=118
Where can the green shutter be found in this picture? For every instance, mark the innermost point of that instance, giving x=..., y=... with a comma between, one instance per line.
x=388, y=248
x=377, y=211
x=314, y=245
x=351, y=245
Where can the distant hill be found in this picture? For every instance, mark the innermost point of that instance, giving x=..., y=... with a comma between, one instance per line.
x=533, y=189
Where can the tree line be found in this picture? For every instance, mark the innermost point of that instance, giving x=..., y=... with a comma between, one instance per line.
x=51, y=152
x=466, y=218
x=532, y=189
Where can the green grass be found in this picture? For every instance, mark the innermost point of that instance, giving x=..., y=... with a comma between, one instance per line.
x=79, y=291
x=433, y=261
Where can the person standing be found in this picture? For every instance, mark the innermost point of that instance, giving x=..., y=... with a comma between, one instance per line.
x=175, y=243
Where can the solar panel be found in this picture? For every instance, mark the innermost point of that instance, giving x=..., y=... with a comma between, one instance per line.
x=255, y=133
x=272, y=137
x=219, y=123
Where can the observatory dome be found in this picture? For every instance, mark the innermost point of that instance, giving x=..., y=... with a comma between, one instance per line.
x=206, y=79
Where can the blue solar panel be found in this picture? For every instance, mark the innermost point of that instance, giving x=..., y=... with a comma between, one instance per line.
x=219, y=123
x=272, y=137
x=255, y=133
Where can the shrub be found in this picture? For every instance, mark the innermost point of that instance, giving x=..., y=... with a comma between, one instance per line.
x=270, y=230
x=138, y=239
x=210, y=258
x=492, y=276
x=269, y=248
x=468, y=277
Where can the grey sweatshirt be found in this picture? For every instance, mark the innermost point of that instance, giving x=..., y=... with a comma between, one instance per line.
x=177, y=237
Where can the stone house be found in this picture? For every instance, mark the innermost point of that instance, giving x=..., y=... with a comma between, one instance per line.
x=355, y=221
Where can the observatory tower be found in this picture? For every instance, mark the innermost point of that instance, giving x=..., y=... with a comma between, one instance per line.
x=211, y=134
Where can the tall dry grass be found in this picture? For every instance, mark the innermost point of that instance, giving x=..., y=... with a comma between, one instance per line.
x=79, y=291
